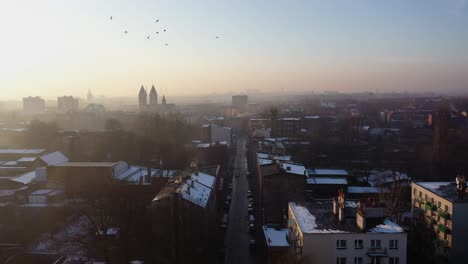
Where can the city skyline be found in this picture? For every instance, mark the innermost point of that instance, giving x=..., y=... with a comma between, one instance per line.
x=56, y=48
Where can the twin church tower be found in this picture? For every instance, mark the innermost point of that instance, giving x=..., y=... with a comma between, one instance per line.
x=153, y=99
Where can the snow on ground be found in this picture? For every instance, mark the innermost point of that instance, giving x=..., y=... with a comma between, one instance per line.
x=69, y=241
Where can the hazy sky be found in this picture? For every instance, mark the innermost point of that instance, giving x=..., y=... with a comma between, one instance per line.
x=66, y=47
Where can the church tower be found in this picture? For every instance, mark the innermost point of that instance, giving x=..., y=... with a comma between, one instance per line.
x=163, y=101
x=153, y=98
x=90, y=96
x=142, y=99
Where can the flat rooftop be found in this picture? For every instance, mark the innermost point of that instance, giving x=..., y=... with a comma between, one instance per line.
x=276, y=237
x=326, y=172
x=447, y=190
x=22, y=151
x=327, y=181
x=86, y=164
x=317, y=218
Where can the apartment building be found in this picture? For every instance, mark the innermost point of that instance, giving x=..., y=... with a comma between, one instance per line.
x=342, y=231
x=441, y=211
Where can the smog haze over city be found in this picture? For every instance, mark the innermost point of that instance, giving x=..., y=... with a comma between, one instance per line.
x=233, y=132
x=67, y=47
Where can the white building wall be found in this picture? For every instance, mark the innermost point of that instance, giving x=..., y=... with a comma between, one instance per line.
x=321, y=247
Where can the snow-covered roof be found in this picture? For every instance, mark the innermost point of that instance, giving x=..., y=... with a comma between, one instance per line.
x=384, y=177
x=21, y=151
x=54, y=158
x=325, y=172
x=205, y=179
x=25, y=178
x=265, y=161
x=273, y=157
x=27, y=159
x=289, y=119
x=327, y=180
x=276, y=237
x=294, y=168
x=307, y=221
x=447, y=190
x=197, y=189
x=360, y=189
x=318, y=218
x=42, y=192
x=388, y=226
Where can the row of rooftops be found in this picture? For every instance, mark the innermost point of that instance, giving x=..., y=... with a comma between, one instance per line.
x=272, y=163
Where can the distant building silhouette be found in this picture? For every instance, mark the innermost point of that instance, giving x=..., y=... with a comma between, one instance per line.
x=33, y=105
x=153, y=98
x=90, y=96
x=153, y=104
x=441, y=126
x=67, y=103
x=239, y=102
x=143, y=99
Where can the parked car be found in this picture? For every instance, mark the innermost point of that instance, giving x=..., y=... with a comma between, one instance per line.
x=252, y=244
x=251, y=227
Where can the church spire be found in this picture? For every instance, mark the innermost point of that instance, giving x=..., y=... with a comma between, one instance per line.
x=153, y=96
x=90, y=95
x=142, y=98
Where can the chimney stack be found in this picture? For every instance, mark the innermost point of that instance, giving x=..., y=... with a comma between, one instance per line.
x=461, y=186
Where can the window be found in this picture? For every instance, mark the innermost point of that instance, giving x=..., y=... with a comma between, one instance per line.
x=340, y=260
x=439, y=204
x=432, y=200
x=415, y=191
x=358, y=260
x=446, y=208
x=420, y=194
x=393, y=260
x=375, y=243
x=341, y=244
x=393, y=244
x=358, y=243
x=425, y=197
x=374, y=260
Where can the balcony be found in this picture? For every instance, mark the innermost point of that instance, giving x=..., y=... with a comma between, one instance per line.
x=443, y=228
x=431, y=206
x=377, y=252
x=444, y=214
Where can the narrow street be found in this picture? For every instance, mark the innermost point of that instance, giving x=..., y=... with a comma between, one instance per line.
x=237, y=236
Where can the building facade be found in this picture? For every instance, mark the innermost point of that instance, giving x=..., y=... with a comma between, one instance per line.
x=440, y=214
x=33, y=105
x=317, y=235
x=67, y=103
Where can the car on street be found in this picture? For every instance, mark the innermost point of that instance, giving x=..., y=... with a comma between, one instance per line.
x=252, y=244
x=251, y=227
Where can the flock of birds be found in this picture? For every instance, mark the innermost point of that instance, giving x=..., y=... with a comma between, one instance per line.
x=157, y=32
